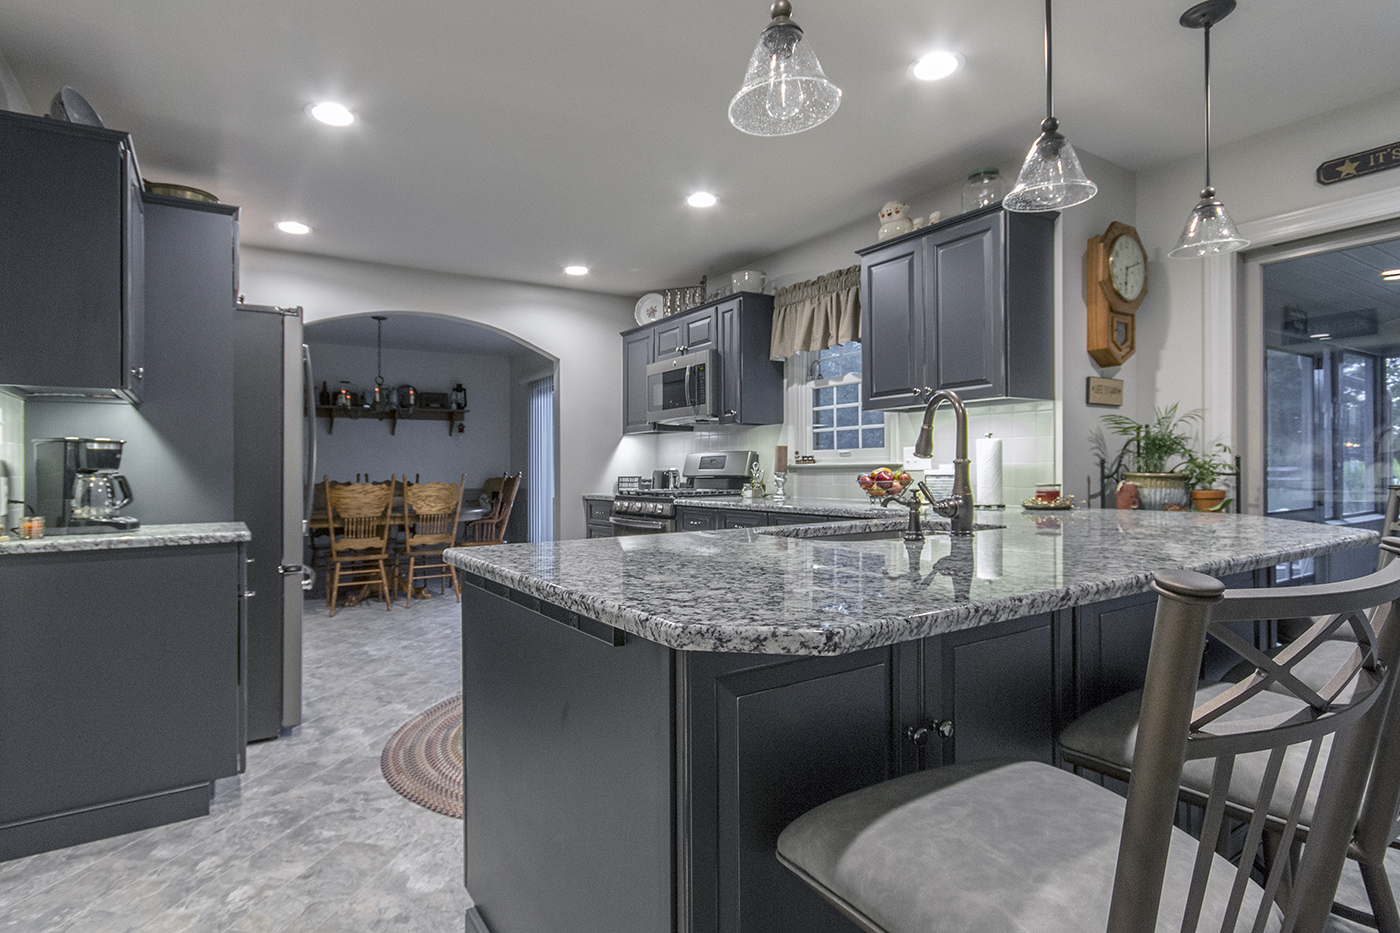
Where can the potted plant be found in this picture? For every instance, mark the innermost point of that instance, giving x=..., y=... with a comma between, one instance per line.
x=1151, y=446
x=1202, y=471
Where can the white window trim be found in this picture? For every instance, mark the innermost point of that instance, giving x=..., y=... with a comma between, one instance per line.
x=799, y=389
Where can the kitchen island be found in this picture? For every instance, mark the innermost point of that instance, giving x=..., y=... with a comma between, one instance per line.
x=121, y=680
x=643, y=715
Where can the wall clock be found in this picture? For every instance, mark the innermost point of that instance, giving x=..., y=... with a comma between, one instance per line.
x=1115, y=283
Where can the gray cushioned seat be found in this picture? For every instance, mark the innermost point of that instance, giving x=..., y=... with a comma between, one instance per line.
x=1107, y=735
x=989, y=848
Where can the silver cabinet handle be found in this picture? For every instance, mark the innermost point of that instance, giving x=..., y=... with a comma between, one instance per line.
x=138, y=372
x=249, y=594
x=919, y=736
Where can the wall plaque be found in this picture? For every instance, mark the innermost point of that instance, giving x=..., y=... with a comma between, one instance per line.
x=1103, y=391
x=1359, y=163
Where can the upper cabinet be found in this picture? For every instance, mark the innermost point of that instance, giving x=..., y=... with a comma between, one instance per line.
x=71, y=259
x=738, y=328
x=966, y=305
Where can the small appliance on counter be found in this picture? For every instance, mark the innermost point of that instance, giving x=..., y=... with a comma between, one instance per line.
x=638, y=510
x=79, y=490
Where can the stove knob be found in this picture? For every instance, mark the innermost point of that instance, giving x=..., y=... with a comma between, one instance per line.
x=657, y=508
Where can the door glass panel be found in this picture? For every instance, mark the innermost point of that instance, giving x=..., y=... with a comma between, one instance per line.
x=1332, y=383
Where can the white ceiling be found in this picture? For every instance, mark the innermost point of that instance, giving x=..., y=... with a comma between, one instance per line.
x=509, y=139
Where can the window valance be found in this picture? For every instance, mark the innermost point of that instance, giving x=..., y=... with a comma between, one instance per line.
x=816, y=314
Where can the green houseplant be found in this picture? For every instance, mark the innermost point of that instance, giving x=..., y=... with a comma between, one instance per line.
x=1150, y=447
x=1203, y=472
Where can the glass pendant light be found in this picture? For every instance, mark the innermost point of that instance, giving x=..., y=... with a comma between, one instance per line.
x=784, y=90
x=1052, y=177
x=1209, y=229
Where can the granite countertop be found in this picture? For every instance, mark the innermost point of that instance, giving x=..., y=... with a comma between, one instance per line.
x=795, y=590
x=145, y=536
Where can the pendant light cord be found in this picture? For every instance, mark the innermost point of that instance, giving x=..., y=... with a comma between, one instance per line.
x=379, y=350
x=1049, y=71
x=1207, y=105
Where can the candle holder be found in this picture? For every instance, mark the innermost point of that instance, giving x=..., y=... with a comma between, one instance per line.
x=779, y=481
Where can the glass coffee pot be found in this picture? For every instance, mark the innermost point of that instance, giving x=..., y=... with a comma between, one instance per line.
x=98, y=496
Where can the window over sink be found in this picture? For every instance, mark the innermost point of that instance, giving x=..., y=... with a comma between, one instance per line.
x=833, y=426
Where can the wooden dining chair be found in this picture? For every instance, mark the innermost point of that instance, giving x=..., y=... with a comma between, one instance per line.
x=999, y=847
x=359, y=516
x=430, y=513
x=492, y=528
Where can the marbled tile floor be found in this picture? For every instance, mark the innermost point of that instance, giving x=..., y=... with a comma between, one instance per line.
x=310, y=837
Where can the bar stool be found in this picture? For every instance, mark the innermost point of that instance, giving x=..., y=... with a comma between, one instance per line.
x=1007, y=847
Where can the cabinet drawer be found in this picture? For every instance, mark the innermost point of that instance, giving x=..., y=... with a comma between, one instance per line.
x=736, y=518
x=688, y=519
x=596, y=511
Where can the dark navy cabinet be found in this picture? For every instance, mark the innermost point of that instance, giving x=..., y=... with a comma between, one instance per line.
x=966, y=305
x=72, y=280
x=739, y=328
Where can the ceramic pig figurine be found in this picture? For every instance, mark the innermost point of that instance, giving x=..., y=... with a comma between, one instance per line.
x=894, y=220
x=1128, y=496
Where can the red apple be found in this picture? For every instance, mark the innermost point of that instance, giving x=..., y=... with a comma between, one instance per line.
x=865, y=481
x=904, y=477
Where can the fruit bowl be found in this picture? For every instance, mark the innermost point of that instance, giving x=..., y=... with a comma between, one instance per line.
x=884, y=482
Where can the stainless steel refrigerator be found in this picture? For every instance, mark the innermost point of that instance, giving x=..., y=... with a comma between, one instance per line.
x=272, y=470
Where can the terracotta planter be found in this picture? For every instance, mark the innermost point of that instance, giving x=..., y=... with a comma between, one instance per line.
x=1205, y=500
x=1158, y=490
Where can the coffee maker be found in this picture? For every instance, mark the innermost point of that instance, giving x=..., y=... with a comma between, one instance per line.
x=79, y=490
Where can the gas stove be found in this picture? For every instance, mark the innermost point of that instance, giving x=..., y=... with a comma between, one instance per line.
x=653, y=511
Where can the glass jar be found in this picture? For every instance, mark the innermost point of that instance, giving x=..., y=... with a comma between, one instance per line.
x=981, y=188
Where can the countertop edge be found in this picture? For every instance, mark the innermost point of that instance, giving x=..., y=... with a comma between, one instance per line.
x=150, y=536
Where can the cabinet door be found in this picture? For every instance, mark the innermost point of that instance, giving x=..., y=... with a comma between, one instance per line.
x=134, y=283
x=61, y=281
x=636, y=354
x=892, y=326
x=997, y=686
x=753, y=384
x=687, y=333
x=691, y=519
x=965, y=320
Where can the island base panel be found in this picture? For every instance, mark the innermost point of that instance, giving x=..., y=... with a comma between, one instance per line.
x=567, y=754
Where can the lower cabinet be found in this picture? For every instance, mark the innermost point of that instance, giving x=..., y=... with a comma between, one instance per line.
x=688, y=519
x=122, y=690
x=595, y=517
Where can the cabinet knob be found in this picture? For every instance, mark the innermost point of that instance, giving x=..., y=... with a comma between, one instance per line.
x=928, y=390
x=139, y=372
x=920, y=735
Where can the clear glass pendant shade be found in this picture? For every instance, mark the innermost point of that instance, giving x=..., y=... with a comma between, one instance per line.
x=784, y=89
x=1051, y=178
x=1209, y=230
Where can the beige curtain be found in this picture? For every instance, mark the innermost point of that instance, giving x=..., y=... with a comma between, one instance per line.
x=817, y=314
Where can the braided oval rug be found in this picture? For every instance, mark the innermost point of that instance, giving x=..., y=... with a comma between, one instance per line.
x=423, y=759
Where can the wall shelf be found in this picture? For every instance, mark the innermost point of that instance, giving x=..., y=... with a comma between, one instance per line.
x=453, y=416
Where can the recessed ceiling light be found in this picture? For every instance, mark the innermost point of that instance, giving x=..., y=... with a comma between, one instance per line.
x=293, y=226
x=329, y=112
x=936, y=65
x=702, y=199
x=575, y=270
x=1390, y=275
x=1320, y=336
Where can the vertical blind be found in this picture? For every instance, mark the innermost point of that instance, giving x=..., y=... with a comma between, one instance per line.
x=541, y=494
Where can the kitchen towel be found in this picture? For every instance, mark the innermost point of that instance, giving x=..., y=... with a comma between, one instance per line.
x=988, y=456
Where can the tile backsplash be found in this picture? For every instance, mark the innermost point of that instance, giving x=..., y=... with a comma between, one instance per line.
x=11, y=454
x=1026, y=429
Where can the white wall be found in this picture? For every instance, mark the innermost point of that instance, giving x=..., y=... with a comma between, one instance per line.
x=417, y=448
x=1258, y=178
x=11, y=456
x=579, y=330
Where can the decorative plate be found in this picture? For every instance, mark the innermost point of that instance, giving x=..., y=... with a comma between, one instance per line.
x=651, y=307
x=1040, y=505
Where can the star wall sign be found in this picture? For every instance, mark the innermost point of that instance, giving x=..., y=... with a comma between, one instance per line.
x=1359, y=163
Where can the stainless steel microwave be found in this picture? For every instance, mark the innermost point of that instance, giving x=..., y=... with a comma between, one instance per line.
x=684, y=389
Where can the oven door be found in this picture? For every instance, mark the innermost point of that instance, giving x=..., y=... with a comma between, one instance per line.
x=629, y=525
x=681, y=390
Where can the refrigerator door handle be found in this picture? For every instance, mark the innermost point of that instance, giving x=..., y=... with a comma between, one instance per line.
x=309, y=480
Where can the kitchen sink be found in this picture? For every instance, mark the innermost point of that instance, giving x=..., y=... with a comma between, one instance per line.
x=894, y=534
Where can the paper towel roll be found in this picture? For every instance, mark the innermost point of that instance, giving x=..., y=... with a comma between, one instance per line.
x=987, y=491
